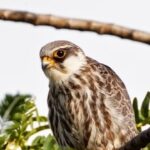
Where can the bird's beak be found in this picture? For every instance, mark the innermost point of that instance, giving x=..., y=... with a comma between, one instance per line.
x=47, y=62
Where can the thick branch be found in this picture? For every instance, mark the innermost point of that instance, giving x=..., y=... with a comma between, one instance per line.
x=76, y=24
x=138, y=142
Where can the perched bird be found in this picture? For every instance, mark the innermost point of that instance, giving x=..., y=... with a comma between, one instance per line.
x=89, y=107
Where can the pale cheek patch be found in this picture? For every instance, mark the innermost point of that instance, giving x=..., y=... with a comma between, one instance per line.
x=74, y=63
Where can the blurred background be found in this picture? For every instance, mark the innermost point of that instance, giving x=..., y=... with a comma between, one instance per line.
x=20, y=43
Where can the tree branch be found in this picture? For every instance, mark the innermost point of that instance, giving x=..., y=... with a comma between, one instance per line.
x=138, y=142
x=75, y=24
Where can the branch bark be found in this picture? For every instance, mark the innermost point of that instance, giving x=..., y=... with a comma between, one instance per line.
x=138, y=142
x=75, y=24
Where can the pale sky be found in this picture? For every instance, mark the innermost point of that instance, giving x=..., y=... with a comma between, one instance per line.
x=20, y=44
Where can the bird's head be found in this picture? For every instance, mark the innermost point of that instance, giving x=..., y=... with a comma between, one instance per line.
x=61, y=59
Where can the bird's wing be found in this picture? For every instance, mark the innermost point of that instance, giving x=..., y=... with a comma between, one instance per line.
x=114, y=89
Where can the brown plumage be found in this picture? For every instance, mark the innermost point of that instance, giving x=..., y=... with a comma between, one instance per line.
x=89, y=107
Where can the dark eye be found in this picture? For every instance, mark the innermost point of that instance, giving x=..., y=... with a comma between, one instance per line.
x=59, y=54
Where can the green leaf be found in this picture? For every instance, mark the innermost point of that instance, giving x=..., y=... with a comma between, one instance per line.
x=50, y=144
x=28, y=134
x=136, y=111
x=18, y=116
x=10, y=104
x=3, y=141
x=40, y=119
x=39, y=140
x=145, y=106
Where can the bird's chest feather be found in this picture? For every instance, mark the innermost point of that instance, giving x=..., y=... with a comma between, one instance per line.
x=61, y=120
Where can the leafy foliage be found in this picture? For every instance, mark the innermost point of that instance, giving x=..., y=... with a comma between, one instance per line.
x=142, y=115
x=19, y=121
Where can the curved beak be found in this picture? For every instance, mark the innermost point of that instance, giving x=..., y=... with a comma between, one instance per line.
x=47, y=62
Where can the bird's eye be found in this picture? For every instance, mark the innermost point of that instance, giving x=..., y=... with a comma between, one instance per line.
x=59, y=54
